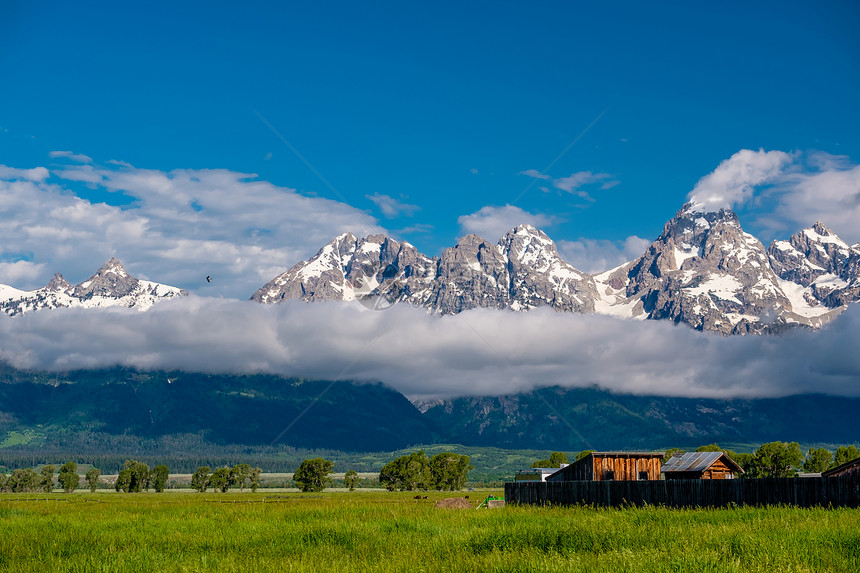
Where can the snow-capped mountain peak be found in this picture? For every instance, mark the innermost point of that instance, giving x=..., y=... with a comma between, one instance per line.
x=111, y=285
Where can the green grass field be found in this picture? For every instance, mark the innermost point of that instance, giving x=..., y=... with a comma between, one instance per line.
x=381, y=531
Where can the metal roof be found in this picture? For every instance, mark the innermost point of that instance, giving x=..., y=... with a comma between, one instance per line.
x=694, y=462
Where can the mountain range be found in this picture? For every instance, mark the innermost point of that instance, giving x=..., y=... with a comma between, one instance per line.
x=703, y=271
x=89, y=411
x=111, y=285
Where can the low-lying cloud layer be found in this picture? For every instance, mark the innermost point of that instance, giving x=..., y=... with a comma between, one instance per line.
x=479, y=352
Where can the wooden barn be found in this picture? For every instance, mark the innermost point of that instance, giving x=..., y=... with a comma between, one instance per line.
x=701, y=465
x=608, y=466
x=847, y=469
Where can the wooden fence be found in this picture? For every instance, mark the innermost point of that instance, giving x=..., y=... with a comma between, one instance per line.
x=801, y=492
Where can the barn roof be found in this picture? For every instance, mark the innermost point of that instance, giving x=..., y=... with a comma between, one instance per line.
x=697, y=462
x=839, y=469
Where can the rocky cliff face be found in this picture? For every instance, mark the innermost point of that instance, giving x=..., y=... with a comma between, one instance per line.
x=112, y=285
x=522, y=271
x=703, y=271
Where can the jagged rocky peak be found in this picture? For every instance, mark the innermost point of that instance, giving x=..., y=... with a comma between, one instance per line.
x=704, y=270
x=58, y=284
x=110, y=280
x=809, y=254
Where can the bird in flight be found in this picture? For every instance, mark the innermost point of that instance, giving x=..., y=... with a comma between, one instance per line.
x=208, y=279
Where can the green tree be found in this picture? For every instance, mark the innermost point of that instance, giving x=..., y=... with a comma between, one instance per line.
x=159, y=477
x=350, y=479
x=448, y=471
x=136, y=477
x=709, y=448
x=3, y=482
x=47, y=478
x=254, y=476
x=21, y=480
x=817, y=460
x=68, y=477
x=672, y=452
x=776, y=459
x=745, y=460
x=406, y=473
x=221, y=479
x=312, y=475
x=556, y=459
x=200, y=479
x=241, y=473
x=583, y=454
x=92, y=478
x=123, y=481
x=845, y=454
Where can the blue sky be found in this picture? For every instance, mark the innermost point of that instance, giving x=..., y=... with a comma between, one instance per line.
x=421, y=119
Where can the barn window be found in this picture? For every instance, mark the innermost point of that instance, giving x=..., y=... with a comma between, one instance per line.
x=643, y=475
x=609, y=475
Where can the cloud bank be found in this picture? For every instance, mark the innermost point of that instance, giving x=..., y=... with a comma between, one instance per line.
x=478, y=352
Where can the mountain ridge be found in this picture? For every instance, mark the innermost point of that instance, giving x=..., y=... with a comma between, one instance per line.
x=703, y=270
x=112, y=285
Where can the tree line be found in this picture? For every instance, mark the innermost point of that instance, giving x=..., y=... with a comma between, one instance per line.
x=774, y=459
x=445, y=471
x=223, y=478
x=28, y=480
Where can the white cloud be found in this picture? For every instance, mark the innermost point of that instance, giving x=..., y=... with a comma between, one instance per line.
x=732, y=183
x=429, y=357
x=182, y=225
x=492, y=222
x=11, y=174
x=597, y=255
x=830, y=194
x=535, y=173
x=575, y=182
x=392, y=207
x=19, y=272
x=77, y=157
x=473, y=171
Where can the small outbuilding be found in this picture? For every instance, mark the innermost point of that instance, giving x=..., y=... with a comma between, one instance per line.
x=535, y=474
x=607, y=466
x=701, y=465
x=848, y=469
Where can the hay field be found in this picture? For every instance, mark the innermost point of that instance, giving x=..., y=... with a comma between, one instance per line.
x=381, y=531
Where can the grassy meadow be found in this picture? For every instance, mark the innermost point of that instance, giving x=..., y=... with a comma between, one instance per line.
x=381, y=531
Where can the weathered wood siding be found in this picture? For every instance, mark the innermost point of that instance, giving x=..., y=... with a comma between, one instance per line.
x=801, y=492
x=718, y=470
x=626, y=468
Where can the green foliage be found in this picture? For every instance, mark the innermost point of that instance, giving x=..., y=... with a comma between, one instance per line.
x=746, y=461
x=845, y=454
x=92, y=478
x=23, y=480
x=134, y=477
x=240, y=474
x=672, y=452
x=407, y=473
x=46, y=482
x=312, y=475
x=448, y=471
x=556, y=459
x=709, y=448
x=254, y=476
x=159, y=476
x=200, y=479
x=350, y=479
x=817, y=460
x=68, y=477
x=777, y=459
x=221, y=479
x=583, y=454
